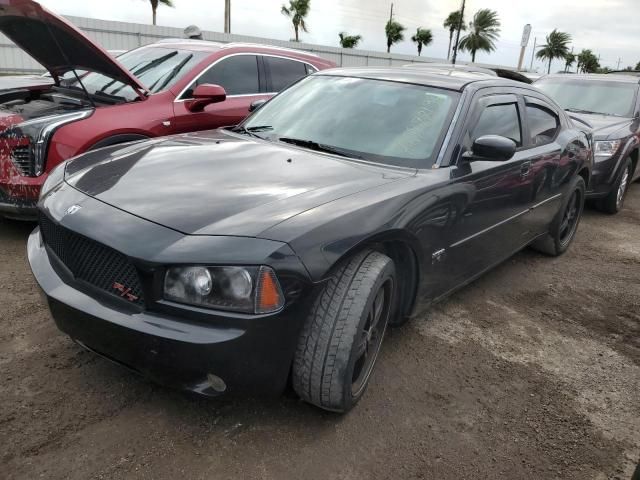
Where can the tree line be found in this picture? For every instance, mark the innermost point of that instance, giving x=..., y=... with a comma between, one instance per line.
x=480, y=35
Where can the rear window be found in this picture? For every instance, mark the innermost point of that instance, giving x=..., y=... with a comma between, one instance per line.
x=591, y=96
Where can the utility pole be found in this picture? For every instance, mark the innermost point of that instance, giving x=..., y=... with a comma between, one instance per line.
x=533, y=52
x=227, y=16
x=619, y=62
x=455, y=47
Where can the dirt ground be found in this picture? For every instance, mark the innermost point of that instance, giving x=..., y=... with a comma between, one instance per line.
x=531, y=372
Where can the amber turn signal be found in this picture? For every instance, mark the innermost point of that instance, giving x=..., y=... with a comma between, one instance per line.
x=269, y=296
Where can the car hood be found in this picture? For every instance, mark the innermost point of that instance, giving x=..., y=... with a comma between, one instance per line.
x=218, y=183
x=55, y=43
x=601, y=125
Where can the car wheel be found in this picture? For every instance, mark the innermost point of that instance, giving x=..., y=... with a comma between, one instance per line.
x=564, y=226
x=342, y=335
x=614, y=202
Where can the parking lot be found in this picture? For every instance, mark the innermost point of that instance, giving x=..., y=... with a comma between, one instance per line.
x=531, y=372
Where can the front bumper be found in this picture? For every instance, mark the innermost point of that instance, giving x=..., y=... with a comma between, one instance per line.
x=18, y=194
x=252, y=358
x=604, y=176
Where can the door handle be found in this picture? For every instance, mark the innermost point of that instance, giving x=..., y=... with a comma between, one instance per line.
x=525, y=169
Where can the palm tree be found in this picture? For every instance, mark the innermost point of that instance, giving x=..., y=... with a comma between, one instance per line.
x=638, y=66
x=349, y=41
x=587, y=62
x=569, y=59
x=154, y=7
x=452, y=22
x=423, y=37
x=557, y=46
x=297, y=11
x=484, y=30
x=393, y=30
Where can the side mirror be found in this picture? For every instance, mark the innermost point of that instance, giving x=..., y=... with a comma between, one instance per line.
x=256, y=105
x=204, y=95
x=492, y=148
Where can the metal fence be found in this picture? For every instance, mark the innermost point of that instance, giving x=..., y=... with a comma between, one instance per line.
x=125, y=36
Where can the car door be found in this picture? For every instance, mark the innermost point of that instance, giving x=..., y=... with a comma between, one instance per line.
x=242, y=76
x=540, y=183
x=489, y=226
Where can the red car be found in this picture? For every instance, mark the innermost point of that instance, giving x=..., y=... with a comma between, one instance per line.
x=168, y=87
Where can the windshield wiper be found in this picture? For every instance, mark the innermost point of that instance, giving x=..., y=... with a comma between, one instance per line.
x=320, y=147
x=578, y=110
x=173, y=73
x=251, y=130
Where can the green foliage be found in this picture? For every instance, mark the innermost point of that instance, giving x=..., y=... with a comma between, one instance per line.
x=557, y=46
x=297, y=11
x=349, y=41
x=423, y=37
x=587, y=62
x=453, y=22
x=569, y=59
x=484, y=30
x=394, y=32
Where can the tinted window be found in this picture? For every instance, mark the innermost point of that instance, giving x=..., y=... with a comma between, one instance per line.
x=543, y=124
x=591, y=96
x=284, y=72
x=379, y=121
x=499, y=120
x=238, y=75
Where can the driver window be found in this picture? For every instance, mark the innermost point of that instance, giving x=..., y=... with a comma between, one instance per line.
x=238, y=75
x=502, y=120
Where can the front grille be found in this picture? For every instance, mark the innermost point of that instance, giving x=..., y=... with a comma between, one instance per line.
x=92, y=262
x=24, y=160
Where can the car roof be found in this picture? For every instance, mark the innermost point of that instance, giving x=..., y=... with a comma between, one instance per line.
x=206, y=45
x=456, y=80
x=595, y=77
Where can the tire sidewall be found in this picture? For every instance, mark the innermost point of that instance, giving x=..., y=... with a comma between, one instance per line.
x=388, y=272
x=577, y=184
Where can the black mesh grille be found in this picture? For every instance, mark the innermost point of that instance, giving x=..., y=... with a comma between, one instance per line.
x=93, y=262
x=23, y=159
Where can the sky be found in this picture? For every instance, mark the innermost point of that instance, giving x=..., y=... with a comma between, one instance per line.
x=608, y=27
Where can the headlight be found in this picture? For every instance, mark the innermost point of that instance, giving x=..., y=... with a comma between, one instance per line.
x=606, y=148
x=238, y=289
x=55, y=178
x=37, y=133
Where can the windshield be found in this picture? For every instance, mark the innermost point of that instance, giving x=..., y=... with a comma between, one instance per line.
x=591, y=96
x=380, y=121
x=157, y=68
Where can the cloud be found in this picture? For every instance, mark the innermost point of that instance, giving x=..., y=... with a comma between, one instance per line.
x=609, y=28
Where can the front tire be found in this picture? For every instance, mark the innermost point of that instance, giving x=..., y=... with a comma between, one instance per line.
x=614, y=202
x=342, y=335
x=565, y=225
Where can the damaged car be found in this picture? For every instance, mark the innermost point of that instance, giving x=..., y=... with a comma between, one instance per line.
x=95, y=100
x=281, y=249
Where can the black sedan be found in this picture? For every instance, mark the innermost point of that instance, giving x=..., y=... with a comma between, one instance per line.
x=281, y=249
x=610, y=106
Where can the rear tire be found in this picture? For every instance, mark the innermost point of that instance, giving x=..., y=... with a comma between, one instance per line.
x=614, y=202
x=565, y=225
x=342, y=335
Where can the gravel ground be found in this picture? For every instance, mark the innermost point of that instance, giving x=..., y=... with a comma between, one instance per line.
x=533, y=371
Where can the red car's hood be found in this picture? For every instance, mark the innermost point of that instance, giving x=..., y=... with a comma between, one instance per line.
x=56, y=44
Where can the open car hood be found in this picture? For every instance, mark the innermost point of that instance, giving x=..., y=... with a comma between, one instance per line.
x=56, y=44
